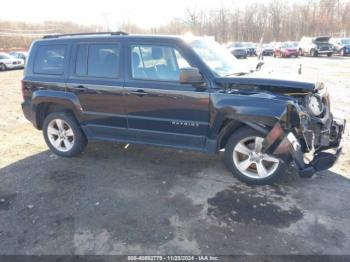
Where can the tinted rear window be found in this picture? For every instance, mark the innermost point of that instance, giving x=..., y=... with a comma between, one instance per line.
x=98, y=60
x=50, y=59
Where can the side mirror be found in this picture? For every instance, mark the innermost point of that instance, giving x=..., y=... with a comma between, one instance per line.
x=190, y=75
x=259, y=66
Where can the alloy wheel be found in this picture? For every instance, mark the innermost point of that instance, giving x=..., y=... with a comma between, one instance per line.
x=249, y=160
x=60, y=135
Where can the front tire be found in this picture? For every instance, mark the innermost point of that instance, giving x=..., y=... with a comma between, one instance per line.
x=3, y=67
x=63, y=134
x=244, y=159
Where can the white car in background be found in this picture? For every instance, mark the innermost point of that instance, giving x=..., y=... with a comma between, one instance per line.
x=10, y=62
x=19, y=54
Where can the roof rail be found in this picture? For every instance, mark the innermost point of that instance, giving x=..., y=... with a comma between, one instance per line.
x=82, y=34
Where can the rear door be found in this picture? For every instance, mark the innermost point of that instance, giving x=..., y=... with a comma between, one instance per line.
x=160, y=110
x=96, y=79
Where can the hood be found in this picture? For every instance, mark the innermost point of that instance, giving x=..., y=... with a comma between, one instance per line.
x=268, y=83
x=8, y=60
x=323, y=39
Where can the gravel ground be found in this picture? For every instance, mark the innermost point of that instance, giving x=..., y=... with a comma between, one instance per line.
x=149, y=200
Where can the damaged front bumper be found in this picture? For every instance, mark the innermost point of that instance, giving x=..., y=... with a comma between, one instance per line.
x=294, y=139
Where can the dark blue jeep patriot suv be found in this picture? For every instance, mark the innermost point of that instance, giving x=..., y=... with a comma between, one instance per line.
x=176, y=92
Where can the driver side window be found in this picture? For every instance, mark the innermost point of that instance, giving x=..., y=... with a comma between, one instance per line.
x=155, y=62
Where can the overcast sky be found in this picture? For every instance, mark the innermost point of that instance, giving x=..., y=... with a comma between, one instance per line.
x=144, y=13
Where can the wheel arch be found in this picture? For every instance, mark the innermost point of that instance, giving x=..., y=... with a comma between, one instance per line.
x=227, y=118
x=44, y=103
x=230, y=125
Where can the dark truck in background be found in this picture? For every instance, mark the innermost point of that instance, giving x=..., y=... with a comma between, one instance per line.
x=315, y=46
x=238, y=50
x=180, y=93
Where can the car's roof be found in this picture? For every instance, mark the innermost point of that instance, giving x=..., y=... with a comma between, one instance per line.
x=313, y=37
x=97, y=36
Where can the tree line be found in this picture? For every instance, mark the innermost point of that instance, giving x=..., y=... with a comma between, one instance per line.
x=19, y=35
x=275, y=20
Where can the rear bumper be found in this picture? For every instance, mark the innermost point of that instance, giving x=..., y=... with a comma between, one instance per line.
x=28, y=112
x=268, y=52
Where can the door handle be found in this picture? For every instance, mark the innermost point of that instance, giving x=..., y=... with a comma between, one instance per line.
x=80, y=87
x=139, y=92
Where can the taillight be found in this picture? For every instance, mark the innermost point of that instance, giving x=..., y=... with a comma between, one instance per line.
x=22, y=89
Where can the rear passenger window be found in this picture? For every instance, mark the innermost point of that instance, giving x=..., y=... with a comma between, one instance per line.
x=98, y=60
x=50, y=59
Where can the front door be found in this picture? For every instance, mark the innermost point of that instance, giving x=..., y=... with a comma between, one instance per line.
x=159, y=109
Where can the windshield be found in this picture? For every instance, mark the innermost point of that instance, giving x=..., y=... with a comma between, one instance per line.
x=217, y=57
x=237, y=45
x=268, y=46
x=345, y=41
x=289, y=45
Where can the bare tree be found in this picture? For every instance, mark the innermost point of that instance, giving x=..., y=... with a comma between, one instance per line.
x=278, y=20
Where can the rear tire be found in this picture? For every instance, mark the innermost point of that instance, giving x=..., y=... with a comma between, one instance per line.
x=251, y=166
x=63, y=134
x=329, y=54
x=313, y=53
x=3, y=67
x=342, y=52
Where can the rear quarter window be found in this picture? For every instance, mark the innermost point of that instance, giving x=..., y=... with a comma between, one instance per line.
x=49, y=59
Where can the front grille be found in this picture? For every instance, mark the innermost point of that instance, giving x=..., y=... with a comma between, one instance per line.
x=324, y=48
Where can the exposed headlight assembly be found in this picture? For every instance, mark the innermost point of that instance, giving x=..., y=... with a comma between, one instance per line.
x=314, y=105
